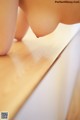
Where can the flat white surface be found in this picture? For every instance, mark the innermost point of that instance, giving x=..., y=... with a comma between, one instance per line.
x=51, y=99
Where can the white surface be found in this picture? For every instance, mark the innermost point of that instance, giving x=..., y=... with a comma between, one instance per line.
x=50, y=100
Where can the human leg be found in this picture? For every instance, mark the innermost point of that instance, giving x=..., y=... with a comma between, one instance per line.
x=22, y=25
x=8, y=15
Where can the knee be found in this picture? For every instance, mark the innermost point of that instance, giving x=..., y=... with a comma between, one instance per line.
x=3, y=52
x=18, y=36
x=5, y=46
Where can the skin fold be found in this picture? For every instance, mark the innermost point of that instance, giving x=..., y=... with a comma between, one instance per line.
x=42, y=16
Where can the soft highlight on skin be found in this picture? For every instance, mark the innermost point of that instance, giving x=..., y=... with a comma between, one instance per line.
x=42, y=16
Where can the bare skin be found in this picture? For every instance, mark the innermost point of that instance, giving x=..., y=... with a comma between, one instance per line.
x=42, y=16
x=8, y=14
x=21, y=25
